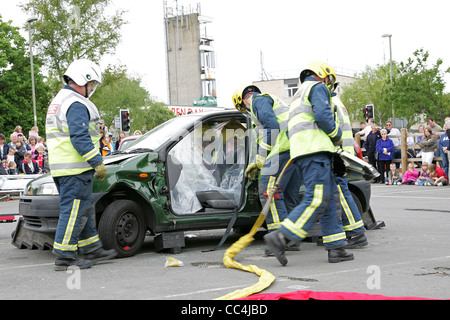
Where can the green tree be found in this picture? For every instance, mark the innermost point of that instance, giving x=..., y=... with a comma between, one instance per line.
x=370, y=88
x=67, y=30
x=419, y=89
x=121, y=91
x=16, y=103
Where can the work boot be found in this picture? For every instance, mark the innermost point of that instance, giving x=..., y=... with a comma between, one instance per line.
x=358, y=241
x=101, y=254
x=61, y=264
x=276, y=241
x=291, y=246
x=338, y=255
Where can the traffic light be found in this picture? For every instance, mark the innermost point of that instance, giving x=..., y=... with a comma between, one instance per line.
x=124, y=120
x=368, y=111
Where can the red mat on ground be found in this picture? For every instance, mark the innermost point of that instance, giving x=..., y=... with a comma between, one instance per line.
x=318, y=295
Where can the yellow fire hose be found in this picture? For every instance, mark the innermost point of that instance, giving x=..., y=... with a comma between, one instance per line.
x=265, y=277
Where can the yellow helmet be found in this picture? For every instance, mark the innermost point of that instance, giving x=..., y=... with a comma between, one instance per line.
x=239, y=96
x=321, y=69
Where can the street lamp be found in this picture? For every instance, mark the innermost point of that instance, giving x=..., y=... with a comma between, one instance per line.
x=29, y=21
x=386, y=35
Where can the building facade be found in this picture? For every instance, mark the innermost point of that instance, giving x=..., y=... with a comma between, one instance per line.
x=191, y=58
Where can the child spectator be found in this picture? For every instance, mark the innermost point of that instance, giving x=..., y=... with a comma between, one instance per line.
x=20, y=153
x=411, y=175
x=32, y=142
x=12, y=168
x=437, y=176
x=394, y=176
x=29, y=166
x=42, y=159
x=423, y=176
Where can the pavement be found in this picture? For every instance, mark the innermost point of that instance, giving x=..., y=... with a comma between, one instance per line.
x=409, y=257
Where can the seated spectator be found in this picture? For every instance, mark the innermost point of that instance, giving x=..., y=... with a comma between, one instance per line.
x=423, y=176
x=3, y=147
x=13, y=138
x=12, y=168
x=29, y=166
x=394, y=176
x=437, y=176
x=411, y=175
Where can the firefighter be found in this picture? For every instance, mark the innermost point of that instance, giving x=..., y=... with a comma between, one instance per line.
x=351, y=217
x=313, y=134
x=270, y=118
x=74, y=159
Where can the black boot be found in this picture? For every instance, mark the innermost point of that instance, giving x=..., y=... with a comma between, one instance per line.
x=101, y=254
x=291, y=246
x=276, y=241
x=61, y=264
x=338, y=255
x=358, y=241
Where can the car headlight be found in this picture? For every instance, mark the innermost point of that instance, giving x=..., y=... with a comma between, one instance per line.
x=47, y=189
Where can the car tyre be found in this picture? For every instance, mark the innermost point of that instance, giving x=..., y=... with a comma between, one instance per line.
x=122, y=227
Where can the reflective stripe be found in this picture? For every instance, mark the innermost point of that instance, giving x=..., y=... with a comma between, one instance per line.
x=297, y=227
x=345, y=125
x=71, y=222
x=64, y=159
x=87, y=242
x=334, y=237
x=281, y=144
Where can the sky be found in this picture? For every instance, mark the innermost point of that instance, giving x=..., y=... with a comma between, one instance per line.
x=347, y=34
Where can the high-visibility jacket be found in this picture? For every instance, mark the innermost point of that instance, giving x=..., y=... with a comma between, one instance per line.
x=343, y=120
x=306, y=137
x=64, y=159
x=281, y=111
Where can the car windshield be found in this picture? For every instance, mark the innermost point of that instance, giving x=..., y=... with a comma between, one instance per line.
x=171, y=129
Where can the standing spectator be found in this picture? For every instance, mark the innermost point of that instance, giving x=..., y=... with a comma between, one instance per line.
x=394, y=134
x=371, y=148
x=443, y=144
x=110, y=142
x=32, y=142
x=19, y=155
x=103, y=125
x=366, y=128
x=29, y=166
x=42, y=159
x=121, y=137
x=33, y=132
x=428, y=145
x=13, y=138
x=385, y=149
x=433, y=125
x=3, y=147
x=103, y=143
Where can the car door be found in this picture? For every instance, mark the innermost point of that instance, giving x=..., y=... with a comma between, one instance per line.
x=205, y=168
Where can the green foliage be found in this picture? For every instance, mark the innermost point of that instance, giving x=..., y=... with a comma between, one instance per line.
x=419, y=89
x=120, y=91
x=72, y=29
x=416, y=89
x=16, y=104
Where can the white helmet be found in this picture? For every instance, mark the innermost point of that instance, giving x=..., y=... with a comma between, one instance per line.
x=83, y=71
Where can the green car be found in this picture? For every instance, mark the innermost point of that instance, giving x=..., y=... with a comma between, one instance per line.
x=186, y=174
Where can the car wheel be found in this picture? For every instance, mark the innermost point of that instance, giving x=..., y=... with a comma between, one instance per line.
x=122, y=227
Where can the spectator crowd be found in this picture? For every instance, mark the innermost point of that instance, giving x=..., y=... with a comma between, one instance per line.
x=380, y=145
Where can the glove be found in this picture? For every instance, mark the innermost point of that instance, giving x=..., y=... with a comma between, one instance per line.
x=252, y=170
x=100, y=172
x=338, y=142
x=339, y=167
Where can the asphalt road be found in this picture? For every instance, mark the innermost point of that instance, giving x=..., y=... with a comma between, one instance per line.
x=409, y=257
